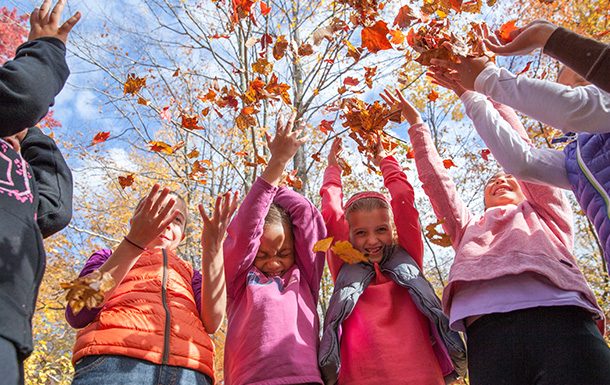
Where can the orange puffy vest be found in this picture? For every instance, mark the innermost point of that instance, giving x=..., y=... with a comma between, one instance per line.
x=152, y=316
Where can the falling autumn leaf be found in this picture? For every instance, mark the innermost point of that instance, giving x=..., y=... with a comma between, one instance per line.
x=347, y=252
x=193, y=154
x=369, y=73
x=375, y=38
x=353, y=52
x=87, y=291
x=448, y=163
x=323, y=245
x=436, y=237
x=527, y=67
x=326, y=126
x=279, y=49
x=397, y=37
x=305, y=49
x=350, y=81
x=506, y=30
x=100, y=137
x=265, y=9
x=190, y=122
x=159, y=146
x=485, y=154
x=262, y=66
x=432, y=96
x=133, y=84
x=126, y=181
x=405, y=17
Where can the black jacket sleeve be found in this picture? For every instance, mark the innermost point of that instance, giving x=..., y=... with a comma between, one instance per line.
x=30, y=82
x=587, y=57
x=53, y=181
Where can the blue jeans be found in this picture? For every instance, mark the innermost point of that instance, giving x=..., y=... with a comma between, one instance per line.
x=119, y=370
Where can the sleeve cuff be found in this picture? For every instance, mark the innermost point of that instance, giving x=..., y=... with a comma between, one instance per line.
x=479, y=83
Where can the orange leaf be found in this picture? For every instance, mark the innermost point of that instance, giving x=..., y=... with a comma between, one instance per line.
x=485, y=153
x=347, y=252
x=352, y=51
x=375, y=38
x=262, y=66
x=87, y=291
x=158, y=146
x=100, y=137
x=405, y=17
x=126, y=181
x=265, y=9
x=323, y=245
x=411, y=154
x=448, y=163
x=193, y=154
x=316, y=157
x=506, y=29
x=143, y=101
x=432, y=96
x=133, y=84
x=436, y=237
x=326, y=126
x=369, y=73
x=397, y=36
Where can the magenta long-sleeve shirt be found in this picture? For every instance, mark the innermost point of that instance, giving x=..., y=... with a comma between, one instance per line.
x=273, y=326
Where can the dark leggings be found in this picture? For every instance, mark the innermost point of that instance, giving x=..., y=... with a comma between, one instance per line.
x=557, y=345
x=11, y=366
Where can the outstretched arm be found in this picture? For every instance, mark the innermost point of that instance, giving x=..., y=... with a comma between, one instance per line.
x=332, y=206
x=437, y=182
x=213, y=287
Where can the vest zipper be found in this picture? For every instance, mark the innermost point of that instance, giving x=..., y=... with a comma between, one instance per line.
x=591, y=178
x=166, y=333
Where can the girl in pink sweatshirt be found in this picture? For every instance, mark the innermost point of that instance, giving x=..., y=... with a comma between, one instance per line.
x=514, y=287
x=273, y=278
x=385, y=338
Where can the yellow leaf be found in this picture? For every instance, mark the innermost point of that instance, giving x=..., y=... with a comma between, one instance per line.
x=323, y=245
x=347, y=252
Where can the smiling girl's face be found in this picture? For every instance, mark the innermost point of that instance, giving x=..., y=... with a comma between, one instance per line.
x=370, y=231
x=502, y=189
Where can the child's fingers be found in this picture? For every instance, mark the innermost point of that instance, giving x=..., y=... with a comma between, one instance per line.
x=302, y=140
x=55, y=15
x=290, y=124
x=165, y=210
x=148, y=201
x=34, y=16
x=158, y=201
x=67, y=26
x=44, y=10
x=279, y=125
x=169, y=220
x=234, y=202
x=204, y=216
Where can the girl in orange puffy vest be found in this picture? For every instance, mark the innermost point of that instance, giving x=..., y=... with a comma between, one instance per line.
x=153, y=326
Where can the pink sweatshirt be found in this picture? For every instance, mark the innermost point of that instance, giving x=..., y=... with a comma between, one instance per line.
x=534, y=237
x=272, y=333
x=385, y=338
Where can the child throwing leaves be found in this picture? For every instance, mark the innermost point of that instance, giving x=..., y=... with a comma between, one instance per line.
x=273, y=278
x=153, y=325
x=392, y=327
x=514, y=286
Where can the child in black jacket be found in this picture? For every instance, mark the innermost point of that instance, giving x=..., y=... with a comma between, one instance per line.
x=35, y=181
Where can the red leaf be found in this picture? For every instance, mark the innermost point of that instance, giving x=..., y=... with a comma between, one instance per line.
x=265, y=9
x=485, y=154
x=375, y=38
x=410, y=154
x=100, y=137
x=190, y=122
x=527, y=67
x=506, y=29
x=448, y=163
x=350, y=81
x=326, y=126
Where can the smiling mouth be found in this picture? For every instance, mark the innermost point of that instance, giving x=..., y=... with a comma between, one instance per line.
x=501, y=190
x=275, y=273
x=373, y=250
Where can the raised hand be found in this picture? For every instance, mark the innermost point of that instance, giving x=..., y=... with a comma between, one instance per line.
x=441, y=77
x=44, y=22
x=335, y=150
x=215, y=227
x=397, y=100
x=523, y=40
x=380, y=154
x=465, y=71
x=152, y=217
x=283, y=146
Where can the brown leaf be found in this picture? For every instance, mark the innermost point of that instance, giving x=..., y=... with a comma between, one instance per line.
x=87, y=291
x=262, y=66
x=279, y=49
x=440, y=239
x=133, y=84
x=405, y=17
x=305, y=49
x=126, y=181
